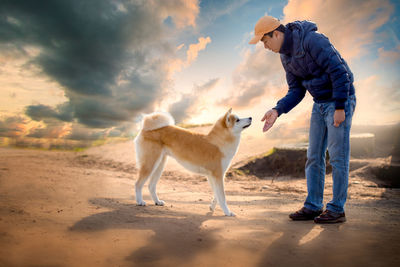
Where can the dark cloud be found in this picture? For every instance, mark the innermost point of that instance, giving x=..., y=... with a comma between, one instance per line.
x=187, y=105
x=74, y=131
x=63, y=112
x=13, y=126
x=53, y=129
x=83, y=133
x=179, y=110
x=109, y=56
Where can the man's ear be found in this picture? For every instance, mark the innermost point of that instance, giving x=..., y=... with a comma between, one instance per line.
x=226, y=117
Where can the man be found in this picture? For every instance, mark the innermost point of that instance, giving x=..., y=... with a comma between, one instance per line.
x=312, y=64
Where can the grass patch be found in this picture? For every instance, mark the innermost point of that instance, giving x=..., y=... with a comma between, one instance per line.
x=53, y=144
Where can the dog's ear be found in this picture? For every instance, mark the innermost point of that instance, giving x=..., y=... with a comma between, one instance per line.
x=226, y=118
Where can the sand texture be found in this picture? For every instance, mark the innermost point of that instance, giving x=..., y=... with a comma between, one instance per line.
x=78, y=209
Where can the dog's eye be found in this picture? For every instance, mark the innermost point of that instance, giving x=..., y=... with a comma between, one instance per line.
x=237, y=120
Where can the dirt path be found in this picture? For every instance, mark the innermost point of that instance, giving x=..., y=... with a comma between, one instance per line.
x=78, y=209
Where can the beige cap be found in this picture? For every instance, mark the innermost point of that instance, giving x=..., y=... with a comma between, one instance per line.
x=264, y=25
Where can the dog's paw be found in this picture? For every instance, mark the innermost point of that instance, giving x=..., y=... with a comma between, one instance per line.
x=230, y=214
x=213, y=204
x=141, y=203
x=160, y=203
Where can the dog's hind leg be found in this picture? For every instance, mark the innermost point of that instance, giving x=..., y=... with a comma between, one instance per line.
x=213, y=204
x=149, y=156
x=155, y=177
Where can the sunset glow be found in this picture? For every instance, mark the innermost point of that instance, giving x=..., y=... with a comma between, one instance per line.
x=91, y=72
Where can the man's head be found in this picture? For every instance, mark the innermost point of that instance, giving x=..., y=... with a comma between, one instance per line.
x=270, y=31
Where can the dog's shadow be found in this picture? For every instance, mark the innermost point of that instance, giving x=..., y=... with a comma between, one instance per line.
x=176, y=234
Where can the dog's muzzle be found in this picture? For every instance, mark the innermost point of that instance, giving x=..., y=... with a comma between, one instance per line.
x=244, y=127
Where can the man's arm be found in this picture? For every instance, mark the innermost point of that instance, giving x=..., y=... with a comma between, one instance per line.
x=294, y=95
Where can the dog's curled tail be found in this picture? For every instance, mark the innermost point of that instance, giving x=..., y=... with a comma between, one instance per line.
x=156, y=120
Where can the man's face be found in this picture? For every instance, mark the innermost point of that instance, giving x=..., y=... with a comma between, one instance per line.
x=273, y=43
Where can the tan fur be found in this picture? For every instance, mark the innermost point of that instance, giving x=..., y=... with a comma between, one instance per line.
x=156, y=120
x=188, y=146
x=208, y=154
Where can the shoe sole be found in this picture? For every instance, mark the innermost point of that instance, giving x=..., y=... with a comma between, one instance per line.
x=339, y=220
x=303, y=218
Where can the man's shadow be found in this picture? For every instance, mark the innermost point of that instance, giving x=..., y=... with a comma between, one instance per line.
x=176, y=234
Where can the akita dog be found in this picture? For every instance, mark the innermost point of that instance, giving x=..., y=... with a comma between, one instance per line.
x=209, y=154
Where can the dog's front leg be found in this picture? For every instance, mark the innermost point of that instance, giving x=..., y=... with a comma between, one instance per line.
x=139, y=197
x=219, y=194
x=213, y=203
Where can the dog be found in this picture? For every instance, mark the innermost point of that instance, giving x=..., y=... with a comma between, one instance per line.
x=208, y=154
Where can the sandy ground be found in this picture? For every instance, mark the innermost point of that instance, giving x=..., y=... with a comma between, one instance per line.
x=78, y=209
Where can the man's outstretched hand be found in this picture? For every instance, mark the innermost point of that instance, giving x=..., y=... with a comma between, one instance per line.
x=269, y=118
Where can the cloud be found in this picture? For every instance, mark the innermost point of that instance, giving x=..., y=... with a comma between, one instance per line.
x=294, y=131
x=189, y=104
x=110, y=57
x=259, y=76
x=183, y=13
x=194, y=49
x=13, y=126
x=21, y=126
x=56, y=129
x=377, y=106
x=53, y=129
x=40, y=112
x=215, y=9
x=349, y=25
x=191, y=55
x=389, y=56
x=80, y=132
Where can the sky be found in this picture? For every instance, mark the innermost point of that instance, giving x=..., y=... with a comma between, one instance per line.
x=84, y=70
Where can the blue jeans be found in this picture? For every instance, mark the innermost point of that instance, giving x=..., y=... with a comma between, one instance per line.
x=324, y=135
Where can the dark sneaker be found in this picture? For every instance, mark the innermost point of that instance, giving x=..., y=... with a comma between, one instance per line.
x=330, y=217
x=304, y=214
